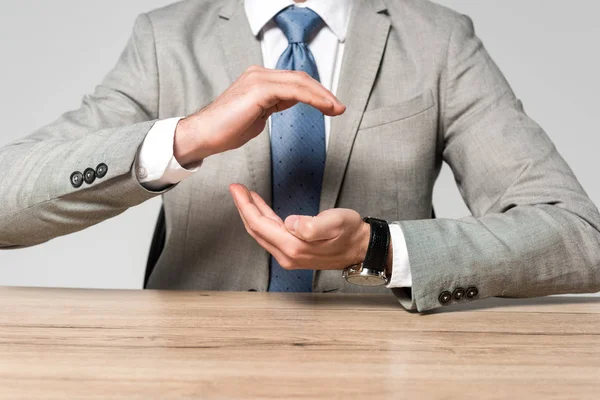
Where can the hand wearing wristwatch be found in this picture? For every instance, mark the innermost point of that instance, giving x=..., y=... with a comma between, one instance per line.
x=372, y=271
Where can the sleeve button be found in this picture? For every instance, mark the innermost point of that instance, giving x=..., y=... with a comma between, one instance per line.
x=472, y=292
x=459, y=294
x=445, y=297
x=101, y=170
x=76, y=179
x=89, y=176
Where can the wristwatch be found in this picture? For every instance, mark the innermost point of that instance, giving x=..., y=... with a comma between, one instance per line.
x=371, y=272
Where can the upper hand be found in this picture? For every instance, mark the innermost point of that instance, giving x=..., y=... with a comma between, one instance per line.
x=240, y=113
x=334, y=239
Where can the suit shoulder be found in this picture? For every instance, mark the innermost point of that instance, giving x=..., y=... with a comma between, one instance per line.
x=425, y=15
x=185, y=19
x=186, y=10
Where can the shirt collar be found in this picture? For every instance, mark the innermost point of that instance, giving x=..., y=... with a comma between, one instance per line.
x=335, y=13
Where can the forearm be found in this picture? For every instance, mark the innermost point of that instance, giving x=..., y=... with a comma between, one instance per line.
x=39, y=200
x=527, y=251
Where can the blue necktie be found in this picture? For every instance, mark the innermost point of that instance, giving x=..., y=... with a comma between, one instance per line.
x=297, y=144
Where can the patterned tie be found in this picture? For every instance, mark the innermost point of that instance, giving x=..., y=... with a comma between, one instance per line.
x=297, y=144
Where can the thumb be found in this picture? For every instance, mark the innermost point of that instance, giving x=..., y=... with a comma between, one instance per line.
x=311, y=229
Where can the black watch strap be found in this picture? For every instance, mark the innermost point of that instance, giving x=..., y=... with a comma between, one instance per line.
x=379, y=243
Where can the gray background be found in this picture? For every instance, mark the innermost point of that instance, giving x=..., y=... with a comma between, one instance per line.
x=54, y=52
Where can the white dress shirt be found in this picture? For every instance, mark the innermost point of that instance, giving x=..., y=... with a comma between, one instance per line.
x=156, y=165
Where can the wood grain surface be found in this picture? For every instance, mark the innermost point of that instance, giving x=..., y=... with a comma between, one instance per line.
x=93, y=344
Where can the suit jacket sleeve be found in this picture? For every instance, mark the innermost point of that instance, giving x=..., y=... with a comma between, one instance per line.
x=37, y=199
x=534, y=231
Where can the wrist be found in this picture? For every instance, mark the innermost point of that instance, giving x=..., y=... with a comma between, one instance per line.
x=189, y=148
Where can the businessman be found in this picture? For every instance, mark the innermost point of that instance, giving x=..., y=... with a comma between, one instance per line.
x=313, y=115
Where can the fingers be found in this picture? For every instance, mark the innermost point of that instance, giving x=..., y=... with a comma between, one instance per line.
x=284, y=89
x=274, y=251
x=289, y=92
x=250, y=212
x=270, y=248
x=264, y=208
x=241, y=195
x=268, y=229
x=327, y=225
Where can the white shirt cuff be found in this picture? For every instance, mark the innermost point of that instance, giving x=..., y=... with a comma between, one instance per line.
x=156, y=166
x=401, y=276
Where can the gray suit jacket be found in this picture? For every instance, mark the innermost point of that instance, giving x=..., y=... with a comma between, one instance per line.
x=420, y=89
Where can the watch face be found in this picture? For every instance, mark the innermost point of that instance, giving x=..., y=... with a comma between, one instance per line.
x=366, y=280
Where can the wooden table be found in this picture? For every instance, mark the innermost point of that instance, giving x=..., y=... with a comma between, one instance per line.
x=57, y=343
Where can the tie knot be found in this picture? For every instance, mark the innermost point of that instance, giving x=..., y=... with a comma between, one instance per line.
x=298, y=23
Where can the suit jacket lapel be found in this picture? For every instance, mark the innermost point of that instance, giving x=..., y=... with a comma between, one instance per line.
x=367, y=36
x=241, y=49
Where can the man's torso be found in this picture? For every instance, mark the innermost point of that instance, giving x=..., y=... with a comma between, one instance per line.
x=384, y=153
